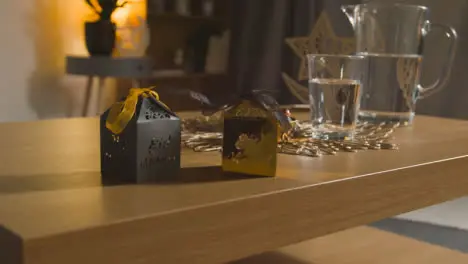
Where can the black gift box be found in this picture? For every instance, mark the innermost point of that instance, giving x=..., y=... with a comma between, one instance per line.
x=148, y=147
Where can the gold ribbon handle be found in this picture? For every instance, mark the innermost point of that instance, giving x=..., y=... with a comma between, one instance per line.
x=121, y=113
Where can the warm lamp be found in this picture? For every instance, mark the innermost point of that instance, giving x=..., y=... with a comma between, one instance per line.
x=120, y=27
x=132, y=9
x=132, y=30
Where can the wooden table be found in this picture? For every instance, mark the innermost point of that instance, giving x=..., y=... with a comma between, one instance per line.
x=54, y=211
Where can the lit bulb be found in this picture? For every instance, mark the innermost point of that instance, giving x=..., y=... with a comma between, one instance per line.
x=120, y=15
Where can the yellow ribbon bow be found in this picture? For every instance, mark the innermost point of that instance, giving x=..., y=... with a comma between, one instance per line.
x=121, y=113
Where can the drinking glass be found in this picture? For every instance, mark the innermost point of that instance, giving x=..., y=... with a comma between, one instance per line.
x=334, y=93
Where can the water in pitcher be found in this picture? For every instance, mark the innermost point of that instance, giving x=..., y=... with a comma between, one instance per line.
x=333, y=106
x=390, y=91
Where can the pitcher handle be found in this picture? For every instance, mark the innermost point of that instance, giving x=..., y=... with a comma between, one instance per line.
x=444, y=76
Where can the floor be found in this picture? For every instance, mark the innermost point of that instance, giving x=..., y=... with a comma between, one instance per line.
x=444, y=224
x=449, y=237
x=450, y=214
x=360, y=245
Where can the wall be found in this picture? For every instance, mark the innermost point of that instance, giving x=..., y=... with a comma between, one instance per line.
x=37, y=34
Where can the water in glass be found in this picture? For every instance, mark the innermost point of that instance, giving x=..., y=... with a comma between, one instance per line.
x=333, y=106
x=391, y=88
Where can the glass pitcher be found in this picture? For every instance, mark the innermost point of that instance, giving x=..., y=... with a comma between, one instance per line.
x=392, y=37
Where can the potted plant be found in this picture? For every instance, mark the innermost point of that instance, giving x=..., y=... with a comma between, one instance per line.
x=100, y=34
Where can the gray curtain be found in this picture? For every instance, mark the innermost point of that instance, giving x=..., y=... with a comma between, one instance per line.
x=259, y=53
x=258, y=50
x=452, y=101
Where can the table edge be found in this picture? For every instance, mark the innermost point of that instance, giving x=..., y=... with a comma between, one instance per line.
x=399, y=191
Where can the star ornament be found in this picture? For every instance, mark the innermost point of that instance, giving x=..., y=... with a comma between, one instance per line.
x=322, y=40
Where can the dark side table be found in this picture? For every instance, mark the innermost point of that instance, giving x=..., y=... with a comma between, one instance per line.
x=134, y=68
